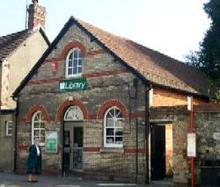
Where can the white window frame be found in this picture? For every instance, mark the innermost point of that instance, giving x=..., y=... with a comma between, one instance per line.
x=77, y=74
x=34, y=129
x=8, y=126
x=112, y=145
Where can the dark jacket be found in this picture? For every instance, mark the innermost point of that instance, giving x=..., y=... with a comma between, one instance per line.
x=34, y=161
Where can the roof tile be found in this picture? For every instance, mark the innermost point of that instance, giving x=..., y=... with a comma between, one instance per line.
x=154, y=66
x=10, y=42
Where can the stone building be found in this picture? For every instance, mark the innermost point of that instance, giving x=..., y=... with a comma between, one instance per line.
x=106, y=107
x=18, y=53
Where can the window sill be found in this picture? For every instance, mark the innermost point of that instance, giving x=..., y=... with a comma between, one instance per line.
x=74, y=76
x=112, y=150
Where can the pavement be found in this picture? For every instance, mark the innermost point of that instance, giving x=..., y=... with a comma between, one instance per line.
x=14, y=180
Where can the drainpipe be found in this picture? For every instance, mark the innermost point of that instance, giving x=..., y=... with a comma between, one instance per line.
x=147, y=124
x=15, y=132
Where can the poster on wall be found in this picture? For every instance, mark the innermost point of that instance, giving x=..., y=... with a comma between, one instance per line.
x=51, y=142
x=191, y=145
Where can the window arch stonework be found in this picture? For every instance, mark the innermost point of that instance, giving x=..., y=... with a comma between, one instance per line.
x=64, y=107
x=70, y=46
x=35, y=108
x=110, y=103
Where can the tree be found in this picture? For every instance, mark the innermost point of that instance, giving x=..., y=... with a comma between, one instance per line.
x=207, y=58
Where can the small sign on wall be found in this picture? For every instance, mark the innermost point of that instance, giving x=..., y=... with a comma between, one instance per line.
x=51, y=142
x=191, y=145
x=73, y=85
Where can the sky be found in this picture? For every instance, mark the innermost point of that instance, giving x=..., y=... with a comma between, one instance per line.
x=172, y=27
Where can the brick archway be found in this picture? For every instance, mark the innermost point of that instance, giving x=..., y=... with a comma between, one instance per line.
x=62, y=109
x=70, y=46
x=110, y=103
x=36, y=108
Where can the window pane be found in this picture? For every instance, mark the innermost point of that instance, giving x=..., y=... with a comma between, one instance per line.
x=110, y=140
x=109, y=131
x=42, y=125
x=42, y=134
x=118, y=140
x=37, y=117
x=109, y=122
x=79, y=54
x=79, y=69
x=70, y=72
x=119, y=123
x=118, y=114
x=110, y=114
x=9, y=131
x=74, y=70
x=70, y=63
x=76, y=53
x=36, y=133
x=75, y=61
x=118, y=132
x=71, y=56
x=80, y=62
x=36, y=125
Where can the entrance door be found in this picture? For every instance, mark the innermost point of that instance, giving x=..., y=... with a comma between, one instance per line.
x=66, y=152
x=158, y=153
x=76, y=158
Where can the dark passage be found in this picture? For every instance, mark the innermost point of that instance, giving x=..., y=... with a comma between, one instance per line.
x=158, y=165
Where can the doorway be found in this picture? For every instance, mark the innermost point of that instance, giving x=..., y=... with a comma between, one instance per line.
x=161, y=151
x=73, y=148
x=73, y=140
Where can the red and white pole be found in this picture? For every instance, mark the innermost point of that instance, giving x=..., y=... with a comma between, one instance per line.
x=192, y=148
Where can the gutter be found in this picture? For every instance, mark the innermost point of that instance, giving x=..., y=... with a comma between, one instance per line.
x=15, y=133
x=147, y=125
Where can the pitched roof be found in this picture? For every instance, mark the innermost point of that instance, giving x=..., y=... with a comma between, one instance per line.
x=154, y=66
x=150, y=65
x=10, y=42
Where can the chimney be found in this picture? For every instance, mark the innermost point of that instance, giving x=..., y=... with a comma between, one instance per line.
x=36, y=16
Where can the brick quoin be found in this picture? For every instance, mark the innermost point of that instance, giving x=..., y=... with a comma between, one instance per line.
x=70, y=46
x=36, y=108
x=110, y=103
x=62, y=109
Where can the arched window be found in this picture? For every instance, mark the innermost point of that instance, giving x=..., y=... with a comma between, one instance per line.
x=113, y=128
x=38, y=128
x=74, y=63
x=73, y=113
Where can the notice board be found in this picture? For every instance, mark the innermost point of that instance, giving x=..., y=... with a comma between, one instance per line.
x=51, y=141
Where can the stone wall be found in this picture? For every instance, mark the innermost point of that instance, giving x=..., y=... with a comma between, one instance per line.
x=207, y=119
x=7, y=143
x=206, y=122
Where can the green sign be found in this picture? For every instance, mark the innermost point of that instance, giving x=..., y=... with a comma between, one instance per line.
x=73, y=84
x=51, y=142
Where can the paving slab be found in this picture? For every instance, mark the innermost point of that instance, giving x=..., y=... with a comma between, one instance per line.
x=13, y=180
